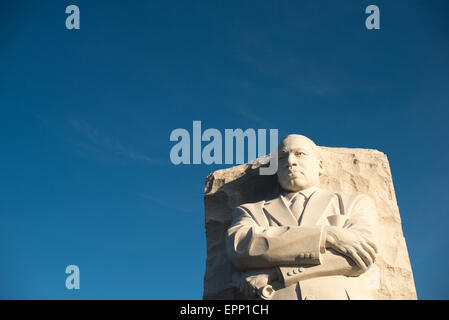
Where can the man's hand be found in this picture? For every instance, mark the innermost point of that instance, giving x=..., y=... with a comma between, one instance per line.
x=251, y=283
x=360, y=250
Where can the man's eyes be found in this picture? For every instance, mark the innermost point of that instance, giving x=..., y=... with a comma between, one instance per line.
x=297, y=154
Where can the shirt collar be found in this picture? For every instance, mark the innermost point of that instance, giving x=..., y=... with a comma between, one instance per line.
x=307, y=193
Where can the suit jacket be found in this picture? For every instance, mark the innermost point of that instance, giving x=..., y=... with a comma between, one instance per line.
x=266, y=235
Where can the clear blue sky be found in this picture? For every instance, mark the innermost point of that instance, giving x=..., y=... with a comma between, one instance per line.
x=86, y=116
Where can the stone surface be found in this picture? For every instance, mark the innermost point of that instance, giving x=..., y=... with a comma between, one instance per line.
x=347, y=171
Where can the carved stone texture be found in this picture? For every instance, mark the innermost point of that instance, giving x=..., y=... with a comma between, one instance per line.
x=347, y=171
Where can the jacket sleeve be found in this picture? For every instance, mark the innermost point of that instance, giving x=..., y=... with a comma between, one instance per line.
x=250, y=245
x=333, y=264
x=361, y=221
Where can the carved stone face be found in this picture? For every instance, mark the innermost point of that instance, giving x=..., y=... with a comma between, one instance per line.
x=299, y=166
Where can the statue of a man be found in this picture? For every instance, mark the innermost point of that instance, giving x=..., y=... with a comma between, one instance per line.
x=307, y=243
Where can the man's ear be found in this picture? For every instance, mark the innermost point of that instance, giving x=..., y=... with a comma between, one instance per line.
x=321, y=165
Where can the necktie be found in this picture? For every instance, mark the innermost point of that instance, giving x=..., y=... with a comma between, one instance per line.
x=297, y=205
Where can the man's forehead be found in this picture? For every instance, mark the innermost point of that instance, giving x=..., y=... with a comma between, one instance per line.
x=296, y=142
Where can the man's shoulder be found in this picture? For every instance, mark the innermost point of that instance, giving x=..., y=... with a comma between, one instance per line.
x=261, y=203
x=252, y=209
x=354, y=197
x=251, y=206
x=357, y=200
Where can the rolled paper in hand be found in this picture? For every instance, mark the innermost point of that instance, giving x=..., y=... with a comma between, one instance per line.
x=266, y=292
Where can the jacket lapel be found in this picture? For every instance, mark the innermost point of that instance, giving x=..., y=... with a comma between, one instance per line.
x=316, y=207
x=280, y=212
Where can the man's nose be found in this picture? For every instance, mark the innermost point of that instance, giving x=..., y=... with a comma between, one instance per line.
x=291, y=160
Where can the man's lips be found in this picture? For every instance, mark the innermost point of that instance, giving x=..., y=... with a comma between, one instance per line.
x=294, y=173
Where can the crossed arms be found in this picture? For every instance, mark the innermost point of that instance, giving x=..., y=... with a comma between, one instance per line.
x=316, y=250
